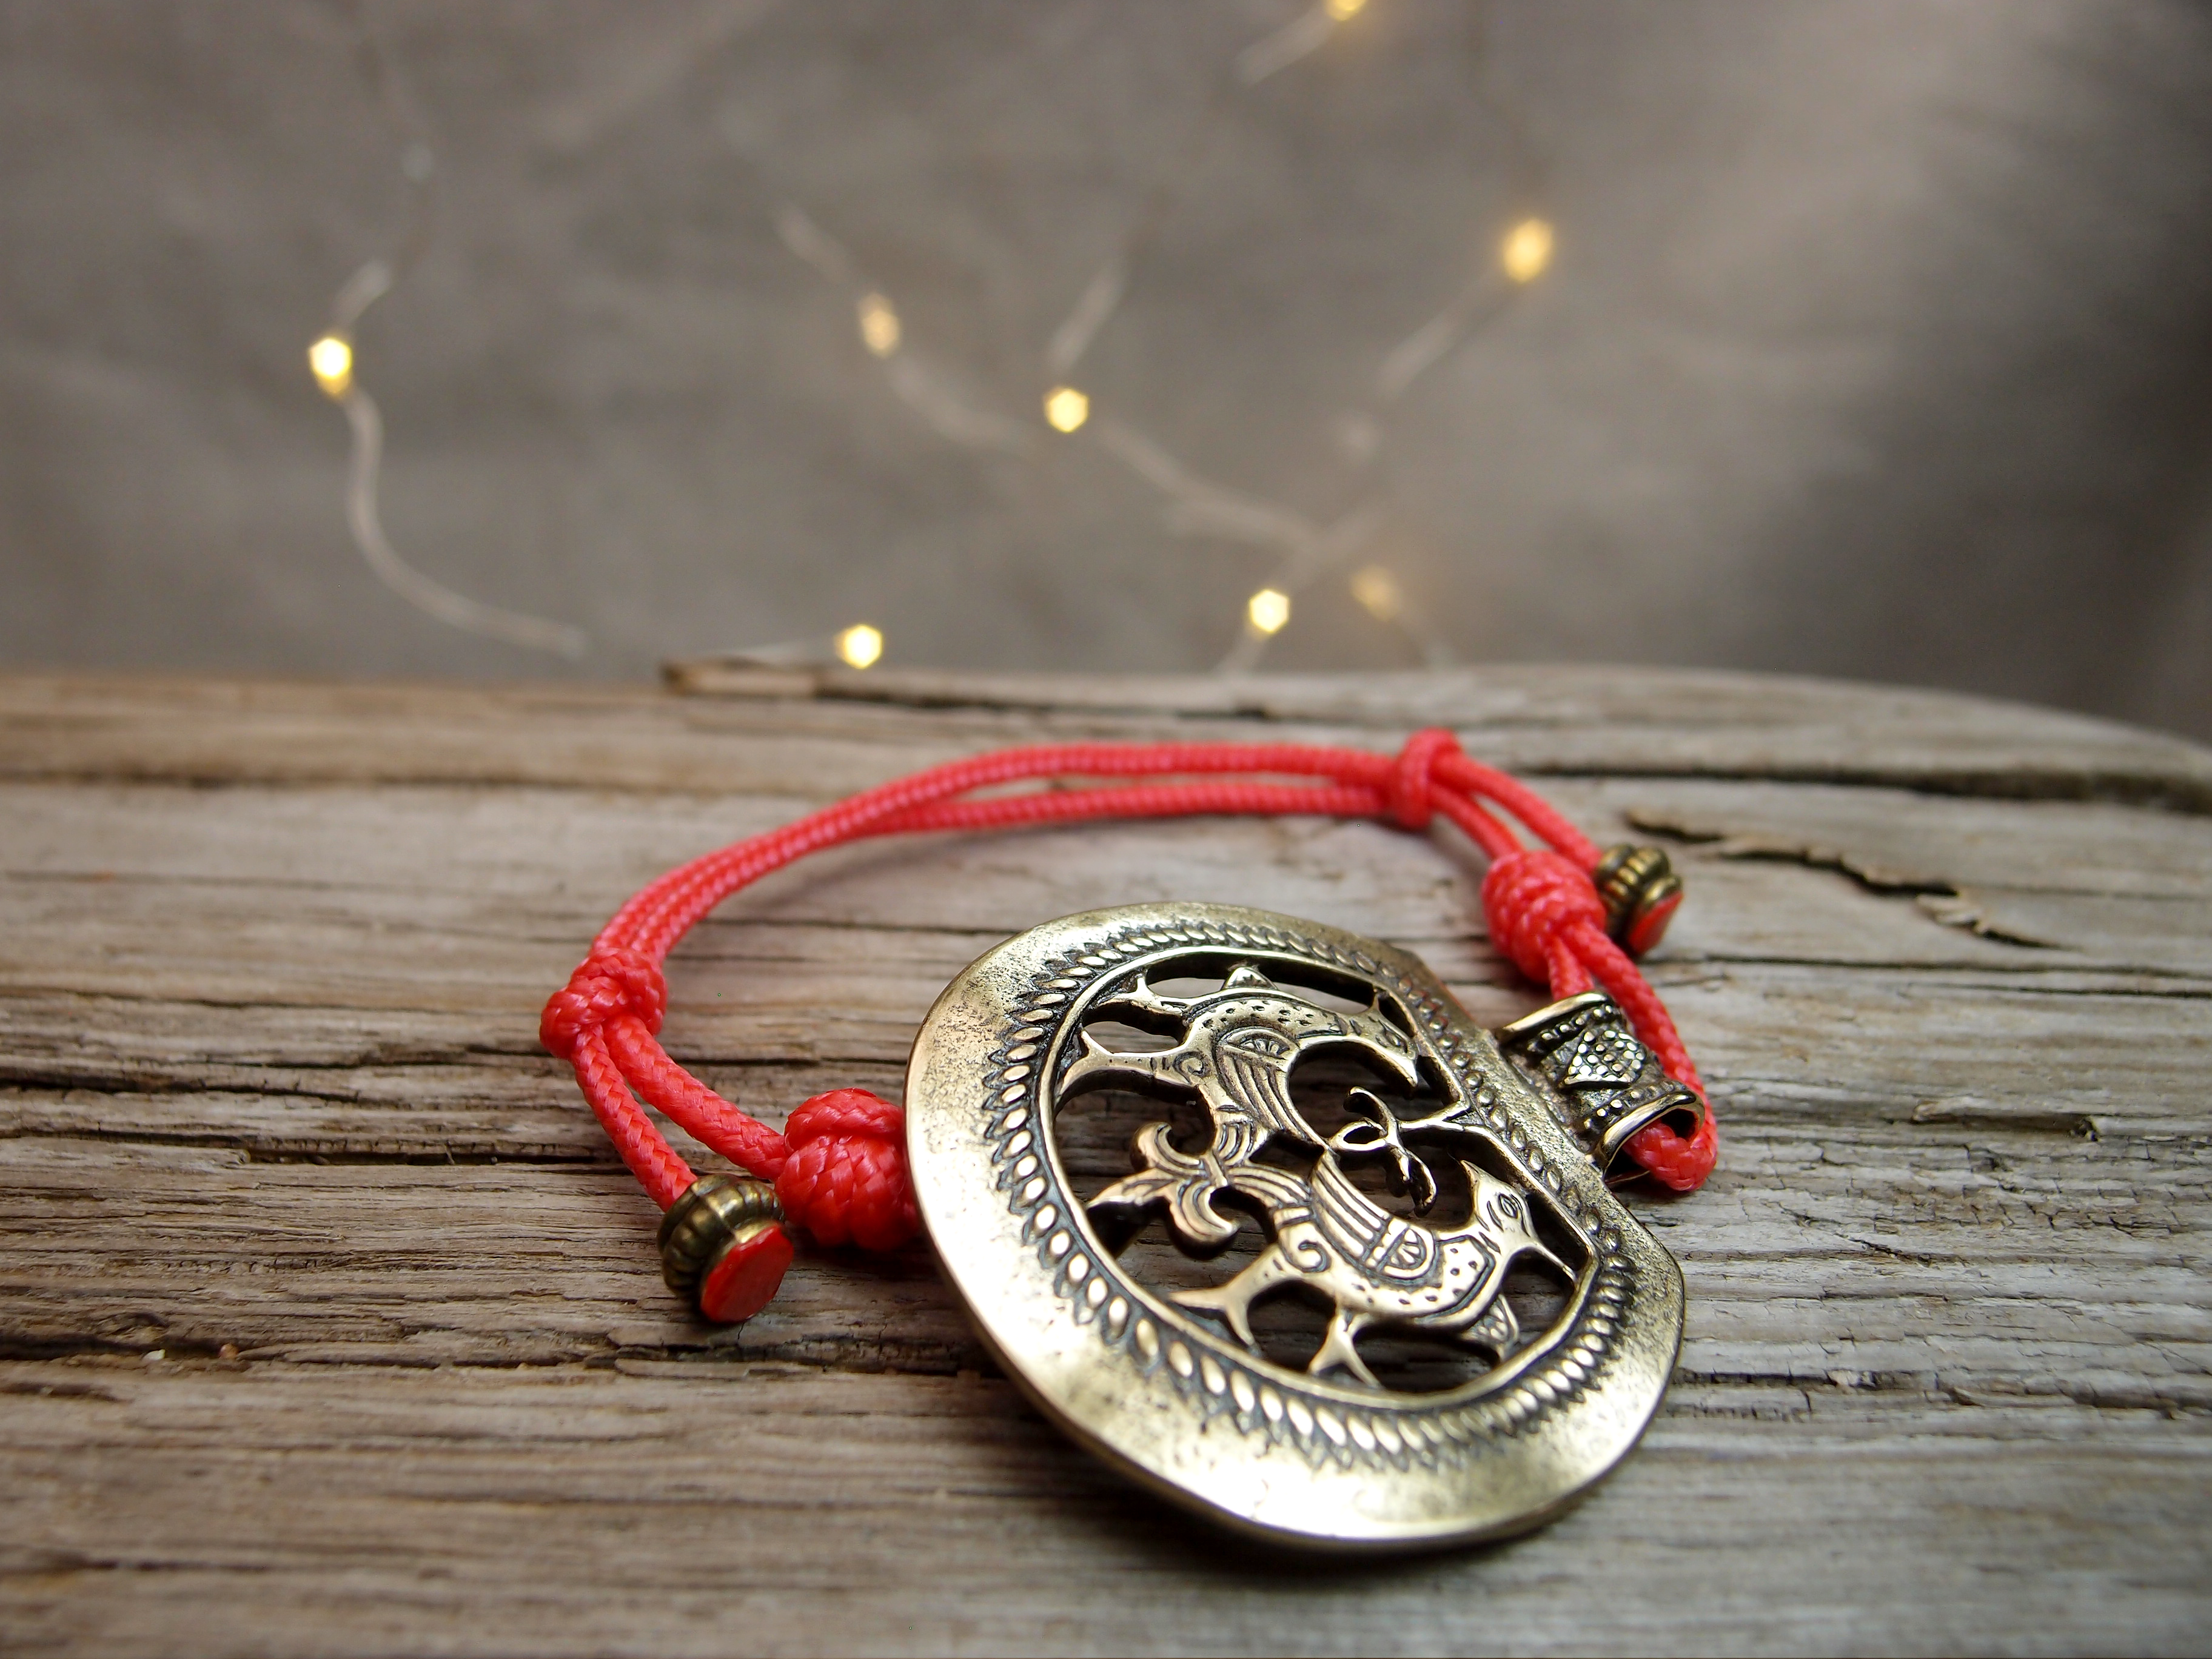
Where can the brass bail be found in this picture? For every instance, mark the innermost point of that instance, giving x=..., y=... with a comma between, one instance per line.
x=1598, y=1069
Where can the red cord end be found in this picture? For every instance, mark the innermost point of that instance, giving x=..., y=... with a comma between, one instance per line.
x=744, y=1278
x=1645, y=931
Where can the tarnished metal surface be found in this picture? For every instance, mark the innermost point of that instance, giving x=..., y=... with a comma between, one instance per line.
x=1423, y=1188
x=1581, y=1051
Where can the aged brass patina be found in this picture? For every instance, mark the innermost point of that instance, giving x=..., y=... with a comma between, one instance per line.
x=1365, y=1151
x=1610, y=1084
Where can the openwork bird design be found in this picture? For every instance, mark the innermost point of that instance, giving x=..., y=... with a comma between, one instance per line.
x=1237, y=1049
x=1378, y=1268
x=1384, y=1131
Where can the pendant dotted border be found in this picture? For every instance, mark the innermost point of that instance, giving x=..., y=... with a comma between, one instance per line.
x=1226, y=1385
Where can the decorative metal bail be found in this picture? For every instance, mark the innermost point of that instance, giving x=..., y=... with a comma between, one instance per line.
x=1641, y=893
x=723, y=1247
x=1612, y=1084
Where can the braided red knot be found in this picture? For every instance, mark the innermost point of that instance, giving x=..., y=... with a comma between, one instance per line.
x=839, y=1165
x=847, y=1177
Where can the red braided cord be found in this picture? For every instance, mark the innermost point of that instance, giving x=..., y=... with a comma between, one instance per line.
x=840, y=1166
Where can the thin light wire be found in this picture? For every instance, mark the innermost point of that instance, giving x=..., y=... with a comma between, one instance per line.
x=431, y=598
x=1102, y=295
x=1271, y=54
x=944, y=406
x=1325, y=554
x=371, y=283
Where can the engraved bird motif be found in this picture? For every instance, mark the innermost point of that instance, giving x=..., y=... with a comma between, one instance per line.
x=1237, y=1046
x=1378, y=1268
x=1236, y=1049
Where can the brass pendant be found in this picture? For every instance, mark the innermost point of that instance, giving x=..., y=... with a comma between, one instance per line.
x=1366, y=1285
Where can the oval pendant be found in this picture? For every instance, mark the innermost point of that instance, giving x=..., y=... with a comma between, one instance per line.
x=1250, y=1207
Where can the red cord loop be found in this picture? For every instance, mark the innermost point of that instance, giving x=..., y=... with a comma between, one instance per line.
x=1540, y=908
x=1409, y=792
x=840, y=1166
x=847, y=1179
x=1673, y=1161
x=610, y=982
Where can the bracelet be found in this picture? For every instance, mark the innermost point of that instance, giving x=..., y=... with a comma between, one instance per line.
x=1566, y=915
x=1169, y=1379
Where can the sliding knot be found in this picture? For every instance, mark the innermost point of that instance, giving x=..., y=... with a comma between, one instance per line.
x=1409, y=791
x=847, y=1179
x=1536, y=900
x=609, y=983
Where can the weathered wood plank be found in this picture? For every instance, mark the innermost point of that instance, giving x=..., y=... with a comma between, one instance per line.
x=267, y=1080
x=714, y=1508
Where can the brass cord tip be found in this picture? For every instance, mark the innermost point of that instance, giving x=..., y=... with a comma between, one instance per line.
x=718, y=1242
x=1641, y=893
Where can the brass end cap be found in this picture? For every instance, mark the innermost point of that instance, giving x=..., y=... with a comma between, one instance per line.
x=723, y=1247
x=1641, y=893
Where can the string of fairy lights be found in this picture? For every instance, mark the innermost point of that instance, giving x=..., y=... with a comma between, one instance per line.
x=1306, y=552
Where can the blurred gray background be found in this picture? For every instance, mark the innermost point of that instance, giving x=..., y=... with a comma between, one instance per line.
x=1876, y=340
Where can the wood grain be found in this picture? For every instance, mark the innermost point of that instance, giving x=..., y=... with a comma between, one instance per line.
x=329, y=1324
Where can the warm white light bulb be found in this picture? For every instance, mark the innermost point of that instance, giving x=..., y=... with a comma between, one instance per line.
x=1065, y=408
x=1341, y=9
x=860, y=645
x=1267, y=610
x=1528, y=250
x=331, y=359
x=1378, y=592
x=879, y=325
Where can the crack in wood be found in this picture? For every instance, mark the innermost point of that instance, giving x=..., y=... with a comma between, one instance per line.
x=1940, y=900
